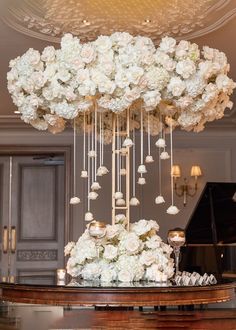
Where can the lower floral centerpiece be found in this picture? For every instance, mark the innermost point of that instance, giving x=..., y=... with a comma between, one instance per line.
x=121, y=255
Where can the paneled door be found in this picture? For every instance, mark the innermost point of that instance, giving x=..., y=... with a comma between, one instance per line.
x=35, y=216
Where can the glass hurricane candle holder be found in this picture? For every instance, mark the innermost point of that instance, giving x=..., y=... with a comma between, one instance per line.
x=97, y=229
x=176, y=239
x=61, y=274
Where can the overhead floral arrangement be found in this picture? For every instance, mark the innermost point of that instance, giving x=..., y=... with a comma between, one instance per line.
x=120, y=71
x=121, y=255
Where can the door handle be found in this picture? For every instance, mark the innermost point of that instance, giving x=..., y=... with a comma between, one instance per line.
x=13, y=239
x=5, y=239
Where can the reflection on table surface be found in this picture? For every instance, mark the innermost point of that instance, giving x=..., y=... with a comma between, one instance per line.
x=50, y=281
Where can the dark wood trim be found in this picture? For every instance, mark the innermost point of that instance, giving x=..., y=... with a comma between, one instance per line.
x=91, y=296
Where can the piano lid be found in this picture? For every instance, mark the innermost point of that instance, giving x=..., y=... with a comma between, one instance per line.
x=214, y=217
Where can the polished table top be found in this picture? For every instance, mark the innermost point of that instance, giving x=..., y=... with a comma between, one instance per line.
x=69, y=282
x=34, y=289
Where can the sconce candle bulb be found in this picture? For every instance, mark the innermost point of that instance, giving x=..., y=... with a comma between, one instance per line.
x=184, y=190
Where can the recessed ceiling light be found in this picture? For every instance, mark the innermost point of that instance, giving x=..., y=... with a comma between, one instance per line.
x=147, y=20
x=17, y=112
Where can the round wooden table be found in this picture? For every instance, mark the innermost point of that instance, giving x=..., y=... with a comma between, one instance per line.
x=118, y=295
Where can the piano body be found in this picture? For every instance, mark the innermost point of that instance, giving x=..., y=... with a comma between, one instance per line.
x=211, y=233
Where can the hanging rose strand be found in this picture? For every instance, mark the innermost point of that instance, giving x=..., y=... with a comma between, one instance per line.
x=102, y=170
x=161, y=143
x=159, y=199
x=92, y=194
x=172, y=209
x=95, y=184
x=134, y=200
x=164, y=154
x=74, y=200
x=84, y=173
x=88, y=214
x=149, y=158
x=142, y=167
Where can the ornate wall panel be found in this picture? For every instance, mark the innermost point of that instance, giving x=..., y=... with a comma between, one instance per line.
x=37, y=255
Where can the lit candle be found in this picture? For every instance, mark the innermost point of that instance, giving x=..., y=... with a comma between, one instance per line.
x=97, y=229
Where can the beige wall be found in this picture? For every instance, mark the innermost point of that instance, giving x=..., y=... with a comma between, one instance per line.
x=213, y=150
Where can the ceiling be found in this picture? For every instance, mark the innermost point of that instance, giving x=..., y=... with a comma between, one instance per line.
x=38, y=23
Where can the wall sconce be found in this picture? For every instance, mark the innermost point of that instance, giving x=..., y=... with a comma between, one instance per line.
x=185, y=189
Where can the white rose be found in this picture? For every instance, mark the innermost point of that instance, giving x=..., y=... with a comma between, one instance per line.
x=48, y=54
x=87, y=88
x=147, y=58
x=91, y=271
x=134, y=74
x=64, y=109
x=112, y=231
x=110, y=252
x=165, y=60
x=125, y=276
x=106, y=86
x=121, y=38
x=147, y=258
x=151, y=98
x=176, y=86
x=210, y=92
x=153, y=242
x=224, y=83
x=167, y=44
x=185, y=68
x=39, y=124
x=189, y=119
x=154, y=225
x=87, y=53
x=82, y=75
x=208, y=53
x=141, y=227
x=132, y=243
x=73, y=269
x=32, y=56
x=107, y=67
x=153, y=273
x=121, y=79
x=68, y=248
x=132, y=94
x=104, y=101
x=63, y=75
x=38, y=79
x=103, y=44
x=183, y=102
x=108, y=275
x=182, y=49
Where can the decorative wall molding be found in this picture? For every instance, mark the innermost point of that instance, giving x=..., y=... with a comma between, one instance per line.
x=36, y=255
x=50, y=19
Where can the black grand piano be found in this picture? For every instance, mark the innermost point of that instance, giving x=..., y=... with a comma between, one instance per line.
x=211, y=232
